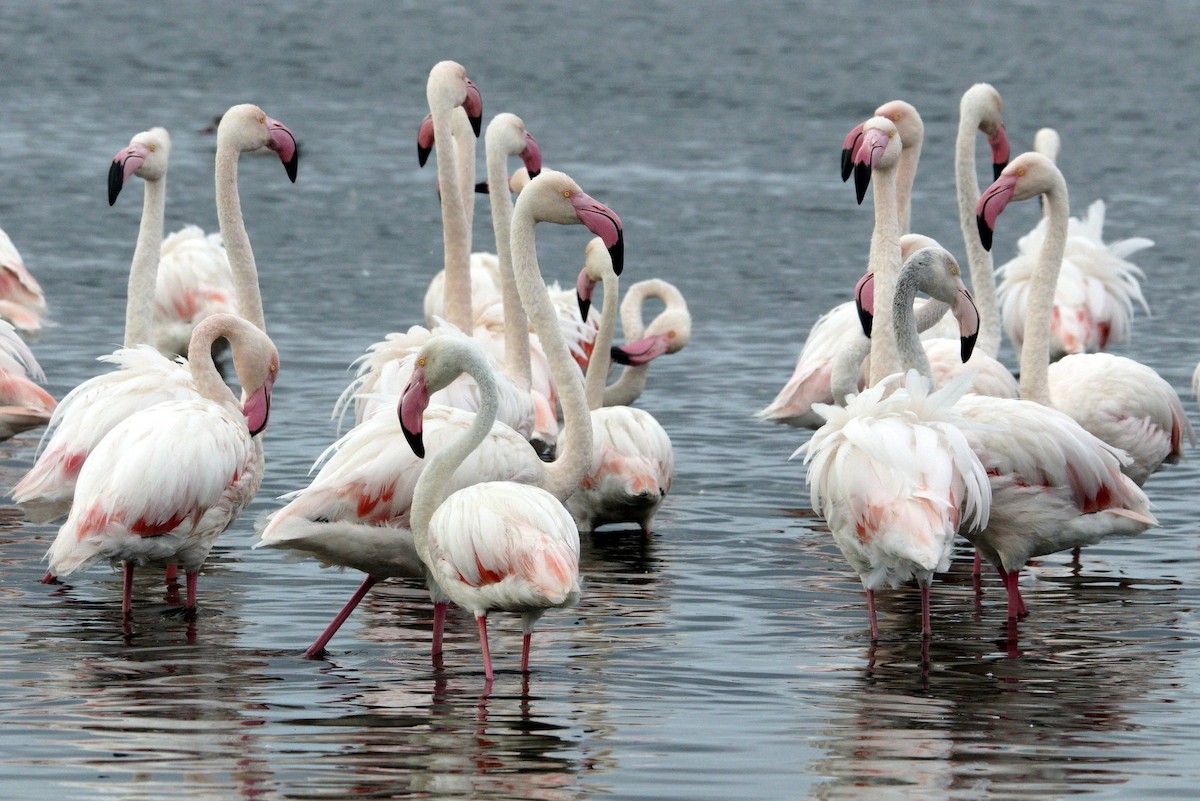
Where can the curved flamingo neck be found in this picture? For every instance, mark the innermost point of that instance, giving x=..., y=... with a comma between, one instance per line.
x=560, y=478
x=979, y=261
x=430, y=488
x=904, y=324
x=1035, y=351
x=516, y=322
x=597, y=369
x=143, y=271
x=884, y=261
x=906, y=175
x=456, y=245
x=632, y=381
x=209, y=383
x=235, y=238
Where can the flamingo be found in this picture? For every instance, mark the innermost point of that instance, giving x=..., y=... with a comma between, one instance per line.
x=356, y=512
x=669, y=332
x=169, y=478
x=979, y=112
x=22, y=302
x=384, y=369
x=23, y=404
x=1097, y=286
x=892, y=473
x=498, y=545
x=1121, y=401
x=143, y=376
x=837, y=328
x=633, y=462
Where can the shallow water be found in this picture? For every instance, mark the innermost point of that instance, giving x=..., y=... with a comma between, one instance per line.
x=727, y=655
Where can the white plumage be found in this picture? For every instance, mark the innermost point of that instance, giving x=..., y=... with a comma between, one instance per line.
x=22, y=302
x=194, y=281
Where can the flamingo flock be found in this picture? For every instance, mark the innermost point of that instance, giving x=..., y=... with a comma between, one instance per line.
x=471, y=465
x=487, y=437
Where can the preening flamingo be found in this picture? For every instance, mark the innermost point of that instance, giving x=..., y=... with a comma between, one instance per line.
x=166, y=480
x=498, y=545
x=1121, y=401
x=1097, y=286
x=669, y=332
x=633, y=462
x=143, y=376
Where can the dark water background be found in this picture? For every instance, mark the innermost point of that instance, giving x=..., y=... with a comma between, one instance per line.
x=727, y=656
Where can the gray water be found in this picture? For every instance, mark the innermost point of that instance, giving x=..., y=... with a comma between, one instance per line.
x=727, y=656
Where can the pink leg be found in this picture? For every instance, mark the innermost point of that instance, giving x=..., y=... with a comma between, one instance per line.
x=978, y=564
x=127, y=599
x=483, y=645
x=318, y=647
x=525, y=651
x=439, y=626
x=190, y=603
x=1016, y=607
x=926, y=627
x=172, y=572
x=871, y=615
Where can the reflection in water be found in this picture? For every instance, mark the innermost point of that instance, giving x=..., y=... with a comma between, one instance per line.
x=986, y=711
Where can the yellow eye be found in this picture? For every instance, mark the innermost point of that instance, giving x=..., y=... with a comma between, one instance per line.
x=153, y=148
x=566, y=193
x=421, y=362
x=262, y=118
x=896, y=117
x=670, y=335
x=1021, y=172
x=891, y=134
x=954, y=270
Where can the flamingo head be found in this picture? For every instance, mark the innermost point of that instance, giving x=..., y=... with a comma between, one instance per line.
x=880, y=147
x=669, y=332
x=255, y=360
x=1028, y=175
x=939, y=275
x=413, y=403
x=146, y=156
x=907, y=121
x=554, y=197
x=442, y=359
x=983, y=102
x=473, y=105
x=247, y=127
x=449, y=87
x=597, y=267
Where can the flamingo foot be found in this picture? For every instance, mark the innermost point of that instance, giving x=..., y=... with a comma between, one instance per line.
x=315, y=650
x=871, y=615
x=483, y=645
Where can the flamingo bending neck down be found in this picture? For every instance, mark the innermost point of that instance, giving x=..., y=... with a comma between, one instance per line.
x=23, y=404
x=22, y=302
x=160, y=487
x=669, y=332
x=498, y=545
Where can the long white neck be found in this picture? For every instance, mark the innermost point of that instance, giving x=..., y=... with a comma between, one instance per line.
x=237, y=241
x=854, y=348
x=597, y=369
x=143, y=271
x=439, y=467
x=904, y=325
x=1035, y=352
x=983, y=278
x=632, y=381
x=516, y=323
x=884, y=261
x=464, y=156
x=906, y=175
x=562, y=477
x=456, y=245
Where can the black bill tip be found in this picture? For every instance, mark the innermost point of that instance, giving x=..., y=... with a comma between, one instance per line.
x=862, y=179
x=116, y=179
x=968, y=346
x=847, y=163
x=618, y=355
x=415, y=441
x=997, y=168
x=423, y=155
x=476, y=124
x=481, y=188
x=584, y=307
x=617, y=252
x=865, y=319
x=985, y=232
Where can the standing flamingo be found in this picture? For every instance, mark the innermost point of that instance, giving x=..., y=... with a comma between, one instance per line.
x=357, y=510
x=143, y=376
x=1097, y=286
x=633, y=462
x=497, y=545
x=1121, y=401
x=22, y=302
x=892, y=473
x=166, y=480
